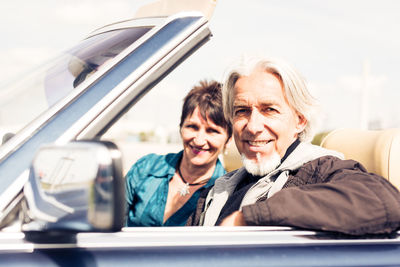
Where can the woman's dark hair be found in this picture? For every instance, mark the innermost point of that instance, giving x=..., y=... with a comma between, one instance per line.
x=208, y=97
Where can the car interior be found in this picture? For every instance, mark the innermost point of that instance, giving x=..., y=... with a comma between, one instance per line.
x=378, y=151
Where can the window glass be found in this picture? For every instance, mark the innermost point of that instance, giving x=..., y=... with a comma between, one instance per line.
x=25, y=99
x=151, y=125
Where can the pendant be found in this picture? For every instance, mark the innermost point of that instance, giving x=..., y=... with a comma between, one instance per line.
x=184, y=190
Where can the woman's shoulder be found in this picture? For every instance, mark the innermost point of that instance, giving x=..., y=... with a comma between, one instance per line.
x=219, y=169
x=154, y=162
x=152, y=157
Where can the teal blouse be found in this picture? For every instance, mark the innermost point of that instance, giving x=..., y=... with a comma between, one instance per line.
x=147, y=189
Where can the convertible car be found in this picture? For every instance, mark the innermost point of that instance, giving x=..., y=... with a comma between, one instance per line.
x=61, y=190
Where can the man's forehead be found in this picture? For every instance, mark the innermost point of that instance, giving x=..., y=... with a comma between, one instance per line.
x=259, y=101
x=251, y=97
x=266, y=89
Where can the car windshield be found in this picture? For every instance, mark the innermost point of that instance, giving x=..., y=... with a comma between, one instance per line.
x=31, y=95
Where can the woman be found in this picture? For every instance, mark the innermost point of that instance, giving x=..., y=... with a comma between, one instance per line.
x=162, y=190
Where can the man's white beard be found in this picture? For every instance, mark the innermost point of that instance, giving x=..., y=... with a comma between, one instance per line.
x=261, y=167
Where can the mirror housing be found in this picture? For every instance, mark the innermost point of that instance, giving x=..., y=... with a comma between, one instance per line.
x=76, y=187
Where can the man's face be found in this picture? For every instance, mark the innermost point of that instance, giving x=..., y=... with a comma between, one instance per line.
x=263, y=121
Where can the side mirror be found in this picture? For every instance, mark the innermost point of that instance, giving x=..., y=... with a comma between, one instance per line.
x=75, y=187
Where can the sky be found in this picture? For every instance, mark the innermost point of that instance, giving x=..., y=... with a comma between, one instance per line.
x=340, y=46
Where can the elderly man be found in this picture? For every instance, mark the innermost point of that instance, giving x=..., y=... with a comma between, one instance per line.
x=285, y=180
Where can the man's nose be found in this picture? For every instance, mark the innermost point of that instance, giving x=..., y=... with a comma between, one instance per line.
x=255, y=123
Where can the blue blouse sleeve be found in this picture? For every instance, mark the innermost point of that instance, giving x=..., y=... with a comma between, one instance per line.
x=137, y=172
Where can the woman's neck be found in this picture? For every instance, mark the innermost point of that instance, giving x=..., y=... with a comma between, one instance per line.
x=194, y=173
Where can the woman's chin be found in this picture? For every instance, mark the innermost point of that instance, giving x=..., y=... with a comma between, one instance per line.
x=199, y=163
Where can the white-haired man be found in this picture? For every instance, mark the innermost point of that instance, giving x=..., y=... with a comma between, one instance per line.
x=286, y=180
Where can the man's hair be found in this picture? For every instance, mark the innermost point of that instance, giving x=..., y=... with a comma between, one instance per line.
x=295, y=90
x=207, y=96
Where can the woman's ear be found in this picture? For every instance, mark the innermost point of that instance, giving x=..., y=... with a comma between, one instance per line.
x=227, y=141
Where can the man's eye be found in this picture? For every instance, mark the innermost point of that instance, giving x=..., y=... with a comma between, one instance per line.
x=240, y=111
x=268, y=110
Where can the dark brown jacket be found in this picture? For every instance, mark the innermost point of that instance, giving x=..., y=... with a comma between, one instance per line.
x=327, y=194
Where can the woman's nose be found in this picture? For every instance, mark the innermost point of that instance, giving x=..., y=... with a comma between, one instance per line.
x=200, y=139
x=255, y=123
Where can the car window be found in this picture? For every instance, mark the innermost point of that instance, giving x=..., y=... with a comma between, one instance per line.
x=151, y=125
x=54, y=80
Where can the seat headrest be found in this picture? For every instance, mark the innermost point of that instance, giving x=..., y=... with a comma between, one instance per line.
x=377, y=151
x=231, y=157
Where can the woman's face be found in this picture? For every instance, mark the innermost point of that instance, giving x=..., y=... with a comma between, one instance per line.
x=203, y=140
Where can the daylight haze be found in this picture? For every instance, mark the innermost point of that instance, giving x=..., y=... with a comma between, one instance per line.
x=347, y=50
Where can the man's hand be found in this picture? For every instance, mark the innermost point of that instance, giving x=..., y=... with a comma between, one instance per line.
x=235, y=219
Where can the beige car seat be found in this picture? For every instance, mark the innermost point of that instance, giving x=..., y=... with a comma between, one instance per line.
x=231, y=157
x=377, y=151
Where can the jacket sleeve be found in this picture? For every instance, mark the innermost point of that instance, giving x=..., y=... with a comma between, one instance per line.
x=339, y=196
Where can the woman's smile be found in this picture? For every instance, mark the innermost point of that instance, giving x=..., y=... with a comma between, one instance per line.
x=203, y=140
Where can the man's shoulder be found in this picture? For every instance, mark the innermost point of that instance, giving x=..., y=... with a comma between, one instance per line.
x=323, y=169
x=332, y=163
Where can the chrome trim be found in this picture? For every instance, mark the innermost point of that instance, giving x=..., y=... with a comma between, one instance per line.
x=13, y=190
x=141, y=22
x=212, y=237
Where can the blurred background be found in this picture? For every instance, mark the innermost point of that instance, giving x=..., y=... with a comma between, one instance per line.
x=348, y=50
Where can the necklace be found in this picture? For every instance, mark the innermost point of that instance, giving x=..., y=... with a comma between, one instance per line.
x=184, y=190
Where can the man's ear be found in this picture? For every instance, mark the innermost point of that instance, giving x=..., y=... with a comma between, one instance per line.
x=301, y=123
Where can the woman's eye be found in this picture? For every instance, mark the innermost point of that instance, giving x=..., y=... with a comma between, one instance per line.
x=191, y=126
x=213, y=131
